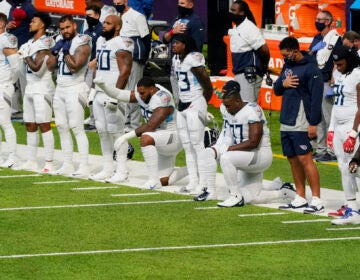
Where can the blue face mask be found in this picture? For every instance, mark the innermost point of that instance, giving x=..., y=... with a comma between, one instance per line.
x=120, y=8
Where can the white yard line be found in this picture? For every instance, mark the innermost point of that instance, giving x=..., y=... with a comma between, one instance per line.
x=189, y=247
x=306, y=221
x=56, y=182
x=134, y=194
x=94, y=205
x=348, y=228
x=95, y=188
x=262, y=214
x=20, y=176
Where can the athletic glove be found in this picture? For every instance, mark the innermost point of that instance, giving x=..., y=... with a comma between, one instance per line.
x=329, y=92
x=329, y=139
x=320, y=45
x=349, y=143
x=56, y=49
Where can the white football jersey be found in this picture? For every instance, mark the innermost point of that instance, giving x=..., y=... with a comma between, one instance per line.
x=345, y=104
x=65, y=77
x=189, y=86
x=7, y=41
x=107, y=67
x=345, y=88
x=37, y=84
x=236, y=128
x=162, y=98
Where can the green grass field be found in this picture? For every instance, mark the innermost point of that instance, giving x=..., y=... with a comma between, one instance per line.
x=49, y=229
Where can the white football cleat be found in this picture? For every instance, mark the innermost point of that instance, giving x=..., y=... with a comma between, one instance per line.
x=118, y=178
x=151, y=185
x=48, y=167
x=350, y=217
x=82, y=172
x=232, y=201
x=29, y=165
x=102, y=175
x=65, y=170
x=9, y=163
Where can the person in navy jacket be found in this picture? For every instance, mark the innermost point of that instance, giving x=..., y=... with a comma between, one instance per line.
x=301, y=86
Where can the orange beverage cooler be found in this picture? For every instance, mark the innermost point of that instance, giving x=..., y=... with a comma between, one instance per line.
x=282, y=12
x=302, y=15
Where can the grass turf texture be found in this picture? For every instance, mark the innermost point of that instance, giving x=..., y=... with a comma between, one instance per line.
x=161, y=225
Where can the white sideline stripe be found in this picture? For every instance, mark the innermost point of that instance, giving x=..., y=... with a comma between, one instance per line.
x=262, y=214
x=177, y=247
x=206, y=208
x=56, y=182
x=134, y=194
x=349, y=228
x=20, y=176
x=306, y=221
x=94, y=188
x=95, y=205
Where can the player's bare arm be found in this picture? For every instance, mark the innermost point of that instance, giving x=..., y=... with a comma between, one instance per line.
x=204, y=80
x=79, y=59
x=255, y=135
x=124, y=61
x=35, y=64
x=10, y=51
x=158, y=116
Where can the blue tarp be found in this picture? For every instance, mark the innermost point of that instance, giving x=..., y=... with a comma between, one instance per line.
x=355, y=5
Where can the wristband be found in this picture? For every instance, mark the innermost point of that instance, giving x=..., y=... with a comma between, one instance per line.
x=353, y=133
x=171, y=32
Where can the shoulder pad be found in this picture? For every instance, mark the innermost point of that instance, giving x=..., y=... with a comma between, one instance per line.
x=10, y=41
x=47, y=42
x=84, y=39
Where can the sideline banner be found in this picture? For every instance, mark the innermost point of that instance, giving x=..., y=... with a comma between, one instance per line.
x=74, y=7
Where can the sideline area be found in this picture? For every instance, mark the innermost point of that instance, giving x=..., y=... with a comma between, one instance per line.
x=332, y=199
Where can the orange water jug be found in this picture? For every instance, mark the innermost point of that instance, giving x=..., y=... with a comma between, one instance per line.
x=282, y=12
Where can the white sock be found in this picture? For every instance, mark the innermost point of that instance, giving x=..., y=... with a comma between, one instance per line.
x=151, y=159
x=191, y=164
x=10, y=137
x=32, y=145
x=66, y=145
x=177, y=174
x=122, y=158
x=207, y=168
x=83, y=145
x=48, y=139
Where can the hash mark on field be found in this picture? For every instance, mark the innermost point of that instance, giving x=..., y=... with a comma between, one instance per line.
x=170, y=248
x=94, y=188
x=56, y=182
x=262, y=214
x=206, y=208
x=134, y=194
x=306, y=221
x=94, y=205
x=20, y=176
x=349, y=228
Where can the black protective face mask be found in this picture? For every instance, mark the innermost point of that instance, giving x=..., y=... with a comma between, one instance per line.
x=108, y=34
x=91, y=21
x=184, y=11
x=320, y=26
x=238, y=19
x=120, y=8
